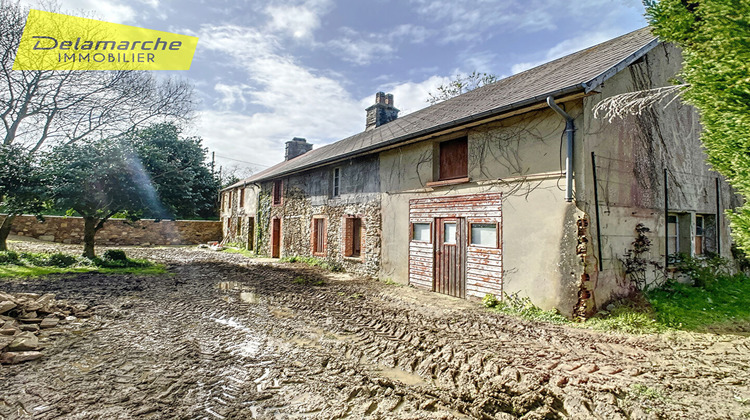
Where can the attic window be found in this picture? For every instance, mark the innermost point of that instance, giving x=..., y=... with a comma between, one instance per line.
x=454, y=159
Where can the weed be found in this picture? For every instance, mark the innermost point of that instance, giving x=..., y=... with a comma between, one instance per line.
x=355, y=296
x=329, y=265
x=643, y=392
x=9, y=257
x=308, y=282
x=522, y=306
x=115, y=255
x=490, y=301
x=390, y=282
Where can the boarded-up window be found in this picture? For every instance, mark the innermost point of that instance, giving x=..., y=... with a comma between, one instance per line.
x=454, y=159
x=420, y=232
x=484, y=234
x=277, y=185
x=353, y=237
x=319, y=236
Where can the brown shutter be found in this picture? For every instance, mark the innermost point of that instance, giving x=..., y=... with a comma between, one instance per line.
x=454, y=159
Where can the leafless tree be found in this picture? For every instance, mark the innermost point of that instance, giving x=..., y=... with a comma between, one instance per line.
x=39, y=107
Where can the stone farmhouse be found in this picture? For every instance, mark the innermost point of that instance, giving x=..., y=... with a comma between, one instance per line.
x=514, y=187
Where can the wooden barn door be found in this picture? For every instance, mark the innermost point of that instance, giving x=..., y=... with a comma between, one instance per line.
x=276, y=238
x=450, y=256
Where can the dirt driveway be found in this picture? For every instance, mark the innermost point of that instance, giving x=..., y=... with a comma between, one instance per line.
x=224, y=337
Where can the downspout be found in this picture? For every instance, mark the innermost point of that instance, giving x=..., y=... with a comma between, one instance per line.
x=569, y=130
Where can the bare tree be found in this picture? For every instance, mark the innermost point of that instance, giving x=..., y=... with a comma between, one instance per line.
x=38, y=107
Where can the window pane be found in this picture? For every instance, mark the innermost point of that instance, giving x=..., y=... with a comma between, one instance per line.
x=484, y=234
x=449, y=233
x=699, y=225
x=421, y=232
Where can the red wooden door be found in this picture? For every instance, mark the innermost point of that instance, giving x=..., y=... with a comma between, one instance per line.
x=450, y=257
x=276, y=239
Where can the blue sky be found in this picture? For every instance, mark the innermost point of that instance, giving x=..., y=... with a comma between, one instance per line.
x=267, y=71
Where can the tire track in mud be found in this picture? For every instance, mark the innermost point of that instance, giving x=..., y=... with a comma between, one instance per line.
x=191, y=346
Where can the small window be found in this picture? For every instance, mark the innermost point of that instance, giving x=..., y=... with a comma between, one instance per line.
x=420, y=232
x=229, y=200
x=673, y=237
x=484, y=234
x=336, y=182
x=242, y=197
x=699, y=235
x=352, y=237
x=319, y=236
x=454, y=159
x=449, y=233
x=277, y=185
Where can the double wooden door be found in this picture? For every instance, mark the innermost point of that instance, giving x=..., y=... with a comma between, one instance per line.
x=450, y=256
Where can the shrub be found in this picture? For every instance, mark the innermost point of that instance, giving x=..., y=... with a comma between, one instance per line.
x=9, y=257
x=61, y=260
x=39, y=260
x=490, y=301
x=115, y=255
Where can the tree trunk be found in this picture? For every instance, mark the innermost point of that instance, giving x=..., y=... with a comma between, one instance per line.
x=5, y=231
x=89, y=232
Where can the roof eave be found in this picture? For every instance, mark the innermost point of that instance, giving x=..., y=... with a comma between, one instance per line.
x=597, y=81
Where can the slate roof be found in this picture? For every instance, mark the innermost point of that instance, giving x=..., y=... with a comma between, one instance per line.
x=582, y=71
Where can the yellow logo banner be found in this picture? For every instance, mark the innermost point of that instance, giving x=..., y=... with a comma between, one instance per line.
x=52, y=41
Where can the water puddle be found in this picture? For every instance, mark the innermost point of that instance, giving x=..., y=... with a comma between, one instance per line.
x=249, y=297
x=406, y=378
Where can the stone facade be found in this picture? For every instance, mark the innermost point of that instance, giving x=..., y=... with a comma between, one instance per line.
x=69, y=230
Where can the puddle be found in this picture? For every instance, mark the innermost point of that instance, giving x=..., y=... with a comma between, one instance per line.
x=404, y=377
x=249, y=297
x=229, y=285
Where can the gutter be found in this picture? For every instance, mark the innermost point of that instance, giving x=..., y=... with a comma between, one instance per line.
x=570, y=131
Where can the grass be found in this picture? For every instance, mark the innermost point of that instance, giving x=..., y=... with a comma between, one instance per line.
x=241, y=251
x=28, y=264
x=315, y=262
x=715, y=301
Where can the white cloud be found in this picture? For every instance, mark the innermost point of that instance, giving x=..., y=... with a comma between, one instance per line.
x=361, y=51
x=566, y=47
x=297, y=20
x=409, y=96
x=292, y=100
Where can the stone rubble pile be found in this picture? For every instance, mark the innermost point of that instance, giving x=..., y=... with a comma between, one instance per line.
x=23, y=316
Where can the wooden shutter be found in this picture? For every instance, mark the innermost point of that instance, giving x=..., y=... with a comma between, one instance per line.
x=454, y=159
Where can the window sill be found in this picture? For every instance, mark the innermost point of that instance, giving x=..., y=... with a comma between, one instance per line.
x=448, y=182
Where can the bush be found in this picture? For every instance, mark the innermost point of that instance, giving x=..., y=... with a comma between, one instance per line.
x=35, y=259
x=9, y=257
x=490, y=301
x=115, y=255
x=703, y=271
x=61, y=260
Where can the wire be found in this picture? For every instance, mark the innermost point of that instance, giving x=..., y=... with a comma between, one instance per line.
x=243, y=161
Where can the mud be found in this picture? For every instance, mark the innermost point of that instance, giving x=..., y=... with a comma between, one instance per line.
x=224, y=337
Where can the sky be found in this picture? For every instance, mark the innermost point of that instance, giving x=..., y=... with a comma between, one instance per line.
x=267, y=71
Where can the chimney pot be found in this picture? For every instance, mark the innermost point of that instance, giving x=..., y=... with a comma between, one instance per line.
x=382, y=112
x=296, y=147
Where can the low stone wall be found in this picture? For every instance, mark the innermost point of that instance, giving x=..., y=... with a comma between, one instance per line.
x=69, y=230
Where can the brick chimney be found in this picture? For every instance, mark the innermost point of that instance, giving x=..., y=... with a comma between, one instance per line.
x=382, y=112
x=296, y=147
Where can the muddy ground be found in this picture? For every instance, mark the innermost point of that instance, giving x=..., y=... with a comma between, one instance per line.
x=223, y=336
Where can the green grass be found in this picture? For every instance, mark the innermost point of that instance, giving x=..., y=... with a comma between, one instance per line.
x=28, y=264
x=329, y=265
x=241, y=251
x=719, y=304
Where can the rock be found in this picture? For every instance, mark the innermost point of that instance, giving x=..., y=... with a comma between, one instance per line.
x=70, y=318
x=6, y=296
x=24, y=341
x=48, y=238
x=30, y=327
x=33, y=296
x=46, y=302
x=5, y=341
x=28, y=315
x=49, y=322
x=8, y=331
x=6, y=306
x=11, y=357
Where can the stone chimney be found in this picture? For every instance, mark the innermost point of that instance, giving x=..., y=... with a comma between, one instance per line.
x=296, y=147
x=382, y=112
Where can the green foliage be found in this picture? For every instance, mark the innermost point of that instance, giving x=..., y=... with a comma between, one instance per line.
x=715, y=41
x=329, y=265
x=115, y=255
x=703, y=271
x=308, y=282
x=633, y=315
x=490, y=301
x=22, y=185
x=634, y=261
x=641, y=392
x=61, y=260
x=522, y=306
x=177, y=169
x=460, y=84
x=9, y=257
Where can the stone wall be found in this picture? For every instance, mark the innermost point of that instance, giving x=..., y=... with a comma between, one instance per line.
x=69, y=230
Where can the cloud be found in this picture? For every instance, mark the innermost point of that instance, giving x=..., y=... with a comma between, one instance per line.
x=566, y=47
x=361, y=51
x=409, y=96
x=290, y=99
x=297, y=20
